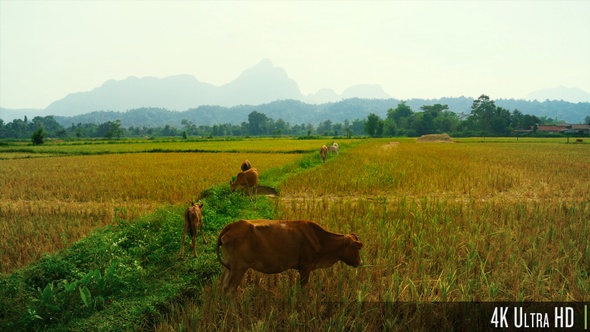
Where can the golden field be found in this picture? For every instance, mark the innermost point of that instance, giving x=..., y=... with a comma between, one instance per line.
x=439, y=222
x=48, y=203
x=479, y=220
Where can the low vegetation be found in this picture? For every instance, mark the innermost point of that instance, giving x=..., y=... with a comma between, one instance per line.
x=64, y=198
x=480, y=220
x=440, y=222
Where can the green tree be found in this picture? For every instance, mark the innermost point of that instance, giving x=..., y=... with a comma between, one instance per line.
x=257, y=123
x=3, y=131
x=482, y=111
x=325, y=128
x=435, y=110
x=423, y=123
x=52, y=127
x=374, y=125
x=400, y=114
x=446, y=122
x=399, y=120
x=38, y=136
x=389, y=127
x=488, y=118
x=110, y=129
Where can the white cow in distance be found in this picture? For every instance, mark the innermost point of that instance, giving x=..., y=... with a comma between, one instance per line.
x=333, y=148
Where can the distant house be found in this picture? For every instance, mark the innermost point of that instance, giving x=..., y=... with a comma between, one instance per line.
x=571, y=129
x=580, y=129
x=560, y=129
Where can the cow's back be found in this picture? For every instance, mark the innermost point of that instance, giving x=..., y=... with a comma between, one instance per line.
x=247, y=178
x=192, y=216
x=252, y=177
x=269, y=246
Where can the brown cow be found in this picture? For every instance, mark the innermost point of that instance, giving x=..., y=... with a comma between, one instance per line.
x=274, y=246
x=245, y=166
x=323, y=152
x=246, y=180
x=193, y=221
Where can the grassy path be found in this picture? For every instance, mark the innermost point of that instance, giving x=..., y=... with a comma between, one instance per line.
x=128, y=276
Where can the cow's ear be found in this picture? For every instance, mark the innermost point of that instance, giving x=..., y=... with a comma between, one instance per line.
x=355, y=241
x=200, y=205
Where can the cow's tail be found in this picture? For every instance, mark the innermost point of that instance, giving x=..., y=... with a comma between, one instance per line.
x=219, y=244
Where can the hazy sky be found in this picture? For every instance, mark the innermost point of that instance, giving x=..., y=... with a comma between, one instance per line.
x=421, y=49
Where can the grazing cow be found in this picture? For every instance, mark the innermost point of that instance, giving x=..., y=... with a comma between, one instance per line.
x=333, y=148
x=274, y=246
x=246, y=166
x=193, y=221
x=246, y=180
x=323, y=152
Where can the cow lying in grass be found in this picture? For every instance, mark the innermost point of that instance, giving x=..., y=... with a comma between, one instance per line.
x=274, y=246
x=192, y=221
x=246, y=180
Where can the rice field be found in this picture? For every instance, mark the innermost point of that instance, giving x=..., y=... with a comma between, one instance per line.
x=439, y=222
x=47, y=204
x=480, y=220
x=249, y=145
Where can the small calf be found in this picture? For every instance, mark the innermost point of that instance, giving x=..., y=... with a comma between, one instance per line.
x=246, y=180
x=193, y=221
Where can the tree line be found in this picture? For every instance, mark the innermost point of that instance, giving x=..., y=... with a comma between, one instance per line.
x=485, y=119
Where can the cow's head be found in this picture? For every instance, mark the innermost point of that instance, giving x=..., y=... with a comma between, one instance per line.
x=198, y=204
x=352, y=254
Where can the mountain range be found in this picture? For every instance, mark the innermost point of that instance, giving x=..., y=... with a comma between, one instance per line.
x=263, y=86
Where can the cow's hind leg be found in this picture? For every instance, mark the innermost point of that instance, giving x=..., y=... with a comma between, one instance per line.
x=224, y=278
x=203, y=235
x=182, y=245
x=249, y=194
x=235, y=278
x=194, y=239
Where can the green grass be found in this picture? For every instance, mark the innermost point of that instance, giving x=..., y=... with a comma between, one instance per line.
x=123, y=276
x=450, y=222
x=129, y=276
x=90, y=147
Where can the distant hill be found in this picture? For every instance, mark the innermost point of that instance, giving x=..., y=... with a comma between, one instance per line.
x=10, y=114
x=263, y=83
x=151, y=101
x=296, y=112
x=573, y=95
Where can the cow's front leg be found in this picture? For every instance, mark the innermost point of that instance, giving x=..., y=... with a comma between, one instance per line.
x=304, y=276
